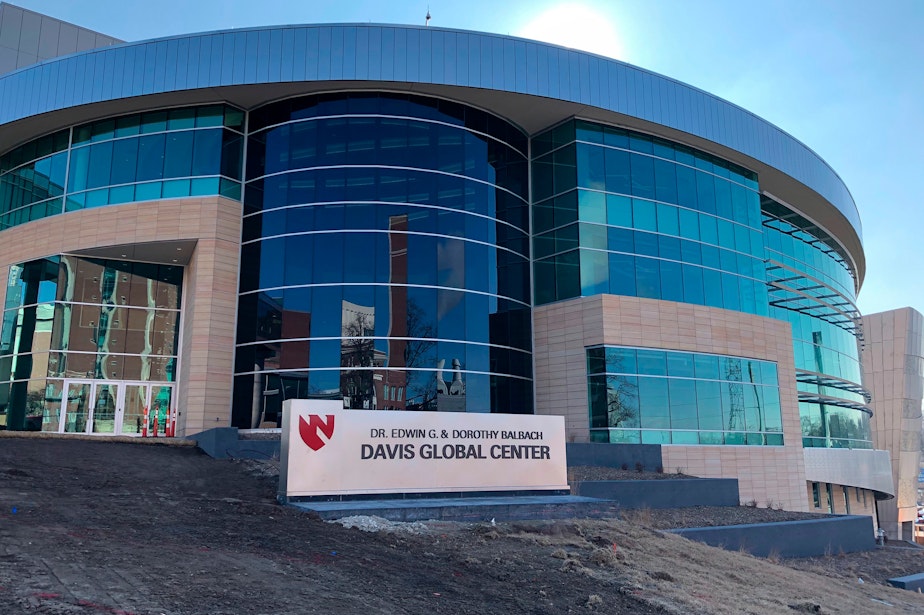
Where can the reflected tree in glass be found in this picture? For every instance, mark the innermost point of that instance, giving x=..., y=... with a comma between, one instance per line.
x=621, y=402
x=357, y=350
x=418, y=356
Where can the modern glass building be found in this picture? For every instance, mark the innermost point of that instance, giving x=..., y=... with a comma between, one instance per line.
x=200, y=227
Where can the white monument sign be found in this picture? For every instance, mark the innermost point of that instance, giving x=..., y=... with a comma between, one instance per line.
x=327, y=450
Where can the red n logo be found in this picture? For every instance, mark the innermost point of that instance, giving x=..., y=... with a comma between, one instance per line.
x=309, y=429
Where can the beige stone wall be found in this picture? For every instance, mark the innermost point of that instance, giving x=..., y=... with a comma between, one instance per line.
x=893, y=371
x=210, y=284
x=563, y=331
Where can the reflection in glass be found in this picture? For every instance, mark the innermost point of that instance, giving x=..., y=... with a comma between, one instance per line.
x=810, y=274
x=83, y=318
x=106, y=396
x=663, y=193
x=76, y=411
x=672, y=397
x=133, y=412
x=399, y=282
x=160, y=407
x=120, y=160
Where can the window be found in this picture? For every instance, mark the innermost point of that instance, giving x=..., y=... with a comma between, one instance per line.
x=436, y=272
x=816, y=495
x=675, y=397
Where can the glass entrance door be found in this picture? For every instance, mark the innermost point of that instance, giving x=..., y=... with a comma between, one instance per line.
x=106, y=412
x=136, y=400
x=161, y=406
x=91, y=406
x=76, y=411
x=117, y=408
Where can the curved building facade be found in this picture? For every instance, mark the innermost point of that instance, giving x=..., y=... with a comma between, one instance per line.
x=423, y=219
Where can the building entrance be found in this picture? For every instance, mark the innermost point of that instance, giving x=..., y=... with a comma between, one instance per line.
x=114, y=407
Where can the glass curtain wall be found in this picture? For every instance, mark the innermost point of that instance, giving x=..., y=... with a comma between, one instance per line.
x=813, y=288
x=385, y=258
x=68, y=317
x=625, y=213
x=160, y=154
x=641, y=395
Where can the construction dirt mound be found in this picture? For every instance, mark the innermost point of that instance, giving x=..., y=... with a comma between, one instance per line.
x=95, y=527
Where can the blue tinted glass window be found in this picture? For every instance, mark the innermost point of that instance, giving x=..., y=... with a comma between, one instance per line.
x=618, y=176
x=594, y=272
x=100, y=167
x=644, y=215
x=621, y=360
x=671, y=281
x=590, y=161
x=622, y=274
x=689, y=224
x=667, y=219
x=709, y=405
x=654, y=403
x=178, y=154
x=652, y=362
x=712, y=284
x=723, y=201
x=124, y=161
x=731, y=292
x=691, y=252
x=683, y=408
x=665, y=181
x=596, y=360
x=647, y=278
x=669, y=247
x=705, y=192
x=642, y=176
x=151, y=157
x=568, y=277
x=646, y=244
x=693, y=291
x=708, y=230
x=592, y=206
x=680, y=364
x=618, y=210
x=686, y=187
x=620, y=239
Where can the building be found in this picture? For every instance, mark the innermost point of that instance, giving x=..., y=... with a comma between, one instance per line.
x=893, y=368
x=508, y=226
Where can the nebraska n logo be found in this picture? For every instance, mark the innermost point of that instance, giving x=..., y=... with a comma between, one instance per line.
x=309, y=429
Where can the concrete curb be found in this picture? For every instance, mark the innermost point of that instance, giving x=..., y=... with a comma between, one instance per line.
x=43, y=435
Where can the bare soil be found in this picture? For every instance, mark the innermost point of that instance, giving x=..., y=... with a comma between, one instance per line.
x=95, y=527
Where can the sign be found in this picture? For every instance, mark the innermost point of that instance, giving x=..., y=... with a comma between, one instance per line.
x=327, y=450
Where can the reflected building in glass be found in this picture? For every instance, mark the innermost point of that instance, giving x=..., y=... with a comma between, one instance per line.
x=421, y=219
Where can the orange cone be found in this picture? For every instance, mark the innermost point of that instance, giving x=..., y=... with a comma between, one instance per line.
x=144, y=428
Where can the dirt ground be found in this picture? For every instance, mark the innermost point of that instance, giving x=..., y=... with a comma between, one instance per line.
x=95, y=527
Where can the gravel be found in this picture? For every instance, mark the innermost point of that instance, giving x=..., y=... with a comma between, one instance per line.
x=369, y=523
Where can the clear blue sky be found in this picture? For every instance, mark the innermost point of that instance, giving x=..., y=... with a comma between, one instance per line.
x=846, y=77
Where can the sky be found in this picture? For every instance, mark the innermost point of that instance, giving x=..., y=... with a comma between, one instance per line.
x=845, y=77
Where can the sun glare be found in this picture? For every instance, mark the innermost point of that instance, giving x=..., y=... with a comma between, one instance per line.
x=576, y=25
